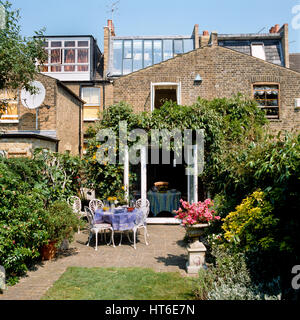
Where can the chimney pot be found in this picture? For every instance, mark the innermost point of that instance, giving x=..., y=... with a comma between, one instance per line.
x=277, y=27
x=205, y=33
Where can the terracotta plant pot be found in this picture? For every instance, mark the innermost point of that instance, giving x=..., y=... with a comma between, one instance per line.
x=48, y=251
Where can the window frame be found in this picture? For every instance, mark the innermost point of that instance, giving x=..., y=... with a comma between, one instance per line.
x=161, y=84
x=91, y=105
x=279, y=97
x=14, y=118
x=62, y=64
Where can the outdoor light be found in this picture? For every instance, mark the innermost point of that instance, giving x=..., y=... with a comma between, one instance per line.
x=198, y=79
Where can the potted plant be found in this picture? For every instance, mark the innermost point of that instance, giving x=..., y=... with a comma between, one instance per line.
x=196, y=216
x=60, y=224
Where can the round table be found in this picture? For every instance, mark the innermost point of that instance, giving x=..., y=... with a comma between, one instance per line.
x=164, y=201
x=120, y=221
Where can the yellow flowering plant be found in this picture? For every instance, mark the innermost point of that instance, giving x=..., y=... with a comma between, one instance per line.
x=252, y=225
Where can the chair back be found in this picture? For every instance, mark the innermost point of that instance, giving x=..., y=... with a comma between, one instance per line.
x=95, y=204
x=90, y=216
x=75, y=203
x=145, y=207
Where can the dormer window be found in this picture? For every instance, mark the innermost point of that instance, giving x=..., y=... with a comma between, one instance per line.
x=68, y=59
x=258, y=51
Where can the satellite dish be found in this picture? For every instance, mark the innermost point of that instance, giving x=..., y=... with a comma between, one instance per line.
x=33, y=101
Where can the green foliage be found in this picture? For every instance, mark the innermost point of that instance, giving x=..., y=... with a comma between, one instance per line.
x=60, y=222
x=28, y=217
x=18, y=55
x=228, y=278
x=226, y=122
x=59, y=174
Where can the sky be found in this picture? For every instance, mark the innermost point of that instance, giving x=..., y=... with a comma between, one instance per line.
x=158, y=17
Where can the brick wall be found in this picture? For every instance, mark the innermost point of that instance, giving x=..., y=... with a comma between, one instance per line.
x=68, y=123
x=224, y=72
x=23, y=147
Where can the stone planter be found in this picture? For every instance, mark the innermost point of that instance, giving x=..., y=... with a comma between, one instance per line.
x=196, y=250
x=195, y=231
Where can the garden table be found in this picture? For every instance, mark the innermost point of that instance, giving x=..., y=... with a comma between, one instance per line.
x=164, y=201
x=120, y=219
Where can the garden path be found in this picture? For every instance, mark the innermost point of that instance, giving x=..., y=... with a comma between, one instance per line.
x=166, y=253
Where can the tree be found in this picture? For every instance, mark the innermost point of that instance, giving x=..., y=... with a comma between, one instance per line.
x=18, y=55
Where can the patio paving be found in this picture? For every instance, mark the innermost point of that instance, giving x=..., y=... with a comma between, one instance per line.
x=166, y=253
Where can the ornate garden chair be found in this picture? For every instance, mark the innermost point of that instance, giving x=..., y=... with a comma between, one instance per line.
x=96, y=228
x=75, y=203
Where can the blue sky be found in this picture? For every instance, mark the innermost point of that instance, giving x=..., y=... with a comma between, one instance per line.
x=158, y=17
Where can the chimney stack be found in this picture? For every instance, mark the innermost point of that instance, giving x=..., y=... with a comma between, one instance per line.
x=111, y=27
x=275, y=29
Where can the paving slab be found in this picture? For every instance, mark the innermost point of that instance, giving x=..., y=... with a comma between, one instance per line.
x=166, y=253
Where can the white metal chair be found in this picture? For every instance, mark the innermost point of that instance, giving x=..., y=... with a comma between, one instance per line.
x=75, y=203
x=95, y=204
x=96, y=228
x=141, y=221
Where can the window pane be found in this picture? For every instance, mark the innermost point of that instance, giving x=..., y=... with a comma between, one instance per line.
x=157, y=51
x=83, y=43
x=69, y=44
x=178, y=46
x=69, y=68
x=56, y=69
x=117, y=57
x=258, y=51
x=188, y=45
x=70, y=56
x=83, y=68
x=147, y=53
x=83, y=55
x=127, y=66
x=91, y=95
x=127, y=49
x=91, y=113
x=137, y=55
x=55, y=44
x=168, y=49
x=56, y=56
x=45, y=44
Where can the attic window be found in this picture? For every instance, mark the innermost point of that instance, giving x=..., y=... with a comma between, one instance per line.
x=258, y=50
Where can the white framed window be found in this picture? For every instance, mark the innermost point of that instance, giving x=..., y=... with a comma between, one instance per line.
x=165, y=91
x=258, y=50
x=91, y=96
x=66, y=56
x=10, y=115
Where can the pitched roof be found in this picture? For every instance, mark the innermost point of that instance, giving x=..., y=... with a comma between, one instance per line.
x=295, y=61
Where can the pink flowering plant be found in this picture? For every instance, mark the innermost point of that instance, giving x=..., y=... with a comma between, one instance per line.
x=196, y=213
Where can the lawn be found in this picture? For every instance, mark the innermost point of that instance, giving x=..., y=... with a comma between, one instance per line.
x=121, y=284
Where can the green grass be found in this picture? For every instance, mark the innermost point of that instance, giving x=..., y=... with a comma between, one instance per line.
x=120, y=284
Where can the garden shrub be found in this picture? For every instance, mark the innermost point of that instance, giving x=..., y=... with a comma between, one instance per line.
x=26, y=193
x=252, y=225
x=228, y=278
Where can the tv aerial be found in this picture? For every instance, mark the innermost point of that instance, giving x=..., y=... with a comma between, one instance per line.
x=113, y=8
x=34, y=101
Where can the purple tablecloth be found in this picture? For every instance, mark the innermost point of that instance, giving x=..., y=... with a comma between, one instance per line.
x=120, y=221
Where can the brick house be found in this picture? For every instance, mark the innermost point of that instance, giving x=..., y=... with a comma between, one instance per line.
x=146, y=70
x=57, y=126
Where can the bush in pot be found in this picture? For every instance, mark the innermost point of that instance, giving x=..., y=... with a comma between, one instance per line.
x=61, y=223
